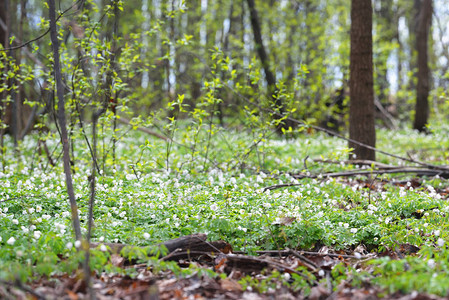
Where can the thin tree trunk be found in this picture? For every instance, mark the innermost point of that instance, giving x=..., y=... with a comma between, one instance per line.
x=225, y=41
x=19, y=112
x=112, y=99
x=262, y=53
x=4, y=41
x=62, y=119
x=385, y=18
x=361, y=108
x=14, y=125
x=412, y=29
x=423, y=86
x=399, y=56
x=90, y=221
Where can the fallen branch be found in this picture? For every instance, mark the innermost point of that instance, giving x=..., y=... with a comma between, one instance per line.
x=360, y=162
x=143, y=129
x=394, y=170
x=250, y=264
x=390, y=170
x=300, y=254
x=177, y=255
x=189, y=243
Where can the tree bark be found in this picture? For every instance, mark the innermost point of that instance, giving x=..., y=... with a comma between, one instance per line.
x=62, y=119
x=423, y=86
x=4, y=40
x=361, y=108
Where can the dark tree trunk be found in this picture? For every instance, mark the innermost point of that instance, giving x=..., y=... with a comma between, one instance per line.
x=361, y=110
x=262, y=53
x=4, y=22
x=260, y=48
x=423, y=86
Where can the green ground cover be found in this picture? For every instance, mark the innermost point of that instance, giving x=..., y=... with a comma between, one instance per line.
x=139, y=201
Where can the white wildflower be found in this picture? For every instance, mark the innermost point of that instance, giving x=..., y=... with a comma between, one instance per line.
x=267, y=205
x=431, y=263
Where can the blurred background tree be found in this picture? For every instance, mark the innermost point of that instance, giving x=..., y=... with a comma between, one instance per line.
x=139, y=55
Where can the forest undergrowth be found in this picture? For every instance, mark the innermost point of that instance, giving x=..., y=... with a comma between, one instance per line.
x=385, y=234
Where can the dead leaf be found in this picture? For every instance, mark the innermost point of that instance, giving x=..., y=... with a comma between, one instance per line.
x=230, y=285
x=117, y=260
x=220, y=265
x=71, y=295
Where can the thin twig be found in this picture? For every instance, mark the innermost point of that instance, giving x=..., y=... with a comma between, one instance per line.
x=43, y=34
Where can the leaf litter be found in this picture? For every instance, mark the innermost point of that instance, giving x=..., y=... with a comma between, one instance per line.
x=230, y=277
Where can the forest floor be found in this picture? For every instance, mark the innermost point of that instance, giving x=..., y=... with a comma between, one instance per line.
x=293, y=221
